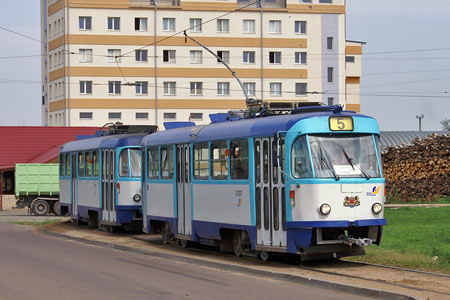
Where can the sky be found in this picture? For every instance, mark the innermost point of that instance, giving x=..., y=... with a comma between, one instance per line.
x=398, y=83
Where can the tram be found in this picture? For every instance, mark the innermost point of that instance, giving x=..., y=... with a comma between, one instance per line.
x=307, y=183
x=100, y=179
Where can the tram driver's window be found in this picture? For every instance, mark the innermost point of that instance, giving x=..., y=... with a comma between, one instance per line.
x=124, y=165
x=153, y=163
x=239, y=159
x=219, y=160
x=62, y=164
x=167, y=162
x=301, y=166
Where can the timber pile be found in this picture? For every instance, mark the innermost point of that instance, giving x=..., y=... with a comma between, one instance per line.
x=420, y=171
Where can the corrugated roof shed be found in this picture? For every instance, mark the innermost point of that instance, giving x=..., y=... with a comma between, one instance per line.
x=24, y=144
x=395, y=138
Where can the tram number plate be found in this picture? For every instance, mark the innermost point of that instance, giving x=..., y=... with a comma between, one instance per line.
x=341, y=123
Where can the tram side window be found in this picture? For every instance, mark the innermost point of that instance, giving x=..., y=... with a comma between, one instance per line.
x=95, y=164
x=219, y=160
x=67, y=162
x=135, y=162
x=124, y=164
x=201, y=161
x=239, y=159
x=167, y=162
x=301, y=167
x=62, y=164
x=88, y=161
x=80, y=164
x=153, y=163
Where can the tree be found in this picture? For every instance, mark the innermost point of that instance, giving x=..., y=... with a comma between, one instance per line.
x=445, y=124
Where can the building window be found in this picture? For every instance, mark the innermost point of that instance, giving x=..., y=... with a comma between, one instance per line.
x=300, y=58
x=325, y=1
x=114, y=87
x=141, y=55
x=85, y=23
x=224, y=55
x=196, y=116
x=115, y=115
x=274, y=26
x=140, y=24
x=275, y=88
x=330, y=74
x=168, y=24
x=85, y=87
x=305, y=1
x=350, y=59
x=86, y=55
x=300, y=89
x=223, y=88
x=249, y=57
x=142, y=115
x=223, y=25
x=330, y=43
x=195, y=24
x=196, y=56
x=196, y=88
x=275, y=57
x=300, y=27
x=141, y=87
x=249, y=26
x=85, y=115
x=169, y=88
x=250, y=88
x=114, y=55
x=170, y=116
x=113, y=23
x=169, y=56
x=330, y=101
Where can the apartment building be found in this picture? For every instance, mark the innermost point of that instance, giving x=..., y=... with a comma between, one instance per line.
x=128, y=61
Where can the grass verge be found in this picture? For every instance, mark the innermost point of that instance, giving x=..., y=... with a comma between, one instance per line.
x=37, y=224
x=415, y=237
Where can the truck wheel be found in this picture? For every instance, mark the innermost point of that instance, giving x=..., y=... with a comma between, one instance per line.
x=40, y=207
x=56, y=208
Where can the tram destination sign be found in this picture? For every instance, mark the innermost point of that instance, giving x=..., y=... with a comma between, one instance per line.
x=341, y=123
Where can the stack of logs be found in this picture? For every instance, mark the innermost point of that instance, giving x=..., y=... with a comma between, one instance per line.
x=420, y=171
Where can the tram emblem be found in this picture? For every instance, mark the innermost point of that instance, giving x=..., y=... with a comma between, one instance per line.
x=374, y=191
x=351, y=201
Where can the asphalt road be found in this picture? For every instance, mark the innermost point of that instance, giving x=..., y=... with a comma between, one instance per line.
x=33, y=266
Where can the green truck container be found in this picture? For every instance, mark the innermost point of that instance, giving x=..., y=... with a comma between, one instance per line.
x=37, y=187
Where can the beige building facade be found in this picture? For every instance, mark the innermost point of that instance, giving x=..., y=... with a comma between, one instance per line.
x=128, y=61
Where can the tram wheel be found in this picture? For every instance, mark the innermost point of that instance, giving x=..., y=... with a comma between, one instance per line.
x=113, y=229
x=264, y=256
x=40, y=207
x=56, y=208
x=183, y=243
x=165, y=233
x=237, y=243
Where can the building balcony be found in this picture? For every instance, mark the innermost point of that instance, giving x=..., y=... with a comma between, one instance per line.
x=264, y=3
x=151, y=3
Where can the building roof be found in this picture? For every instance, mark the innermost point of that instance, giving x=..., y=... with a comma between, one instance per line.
x=26, y=144
x=396, y=138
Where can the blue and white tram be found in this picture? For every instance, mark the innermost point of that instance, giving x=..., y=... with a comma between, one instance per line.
x=306, y=183
x=100, y=180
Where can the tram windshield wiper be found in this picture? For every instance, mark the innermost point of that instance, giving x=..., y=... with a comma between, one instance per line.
x=327, y=164
x=352, y=163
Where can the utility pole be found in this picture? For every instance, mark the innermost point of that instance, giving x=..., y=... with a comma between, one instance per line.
x=420, y=117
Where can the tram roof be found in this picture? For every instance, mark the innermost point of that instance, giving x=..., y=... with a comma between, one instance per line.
x=103, y=142
x=265, y=126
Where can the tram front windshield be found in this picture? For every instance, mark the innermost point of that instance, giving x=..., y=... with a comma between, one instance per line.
x=335, y=156
x=130, y=163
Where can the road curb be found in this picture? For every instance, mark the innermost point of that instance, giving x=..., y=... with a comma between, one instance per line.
x=242, y=269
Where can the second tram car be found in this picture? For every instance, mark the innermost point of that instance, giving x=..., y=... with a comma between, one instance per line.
x=308, y=183
x=100, y=180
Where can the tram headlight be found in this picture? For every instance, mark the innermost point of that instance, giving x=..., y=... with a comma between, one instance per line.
x=325, y=209
x=137, y=197
x=377, y=208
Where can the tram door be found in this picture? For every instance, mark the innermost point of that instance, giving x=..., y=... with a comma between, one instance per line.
x=183, y=190
x=108, y=188
x=269, y=194
x=74, y=194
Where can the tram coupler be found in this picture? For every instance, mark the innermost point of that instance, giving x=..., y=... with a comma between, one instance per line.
x=359, y=241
